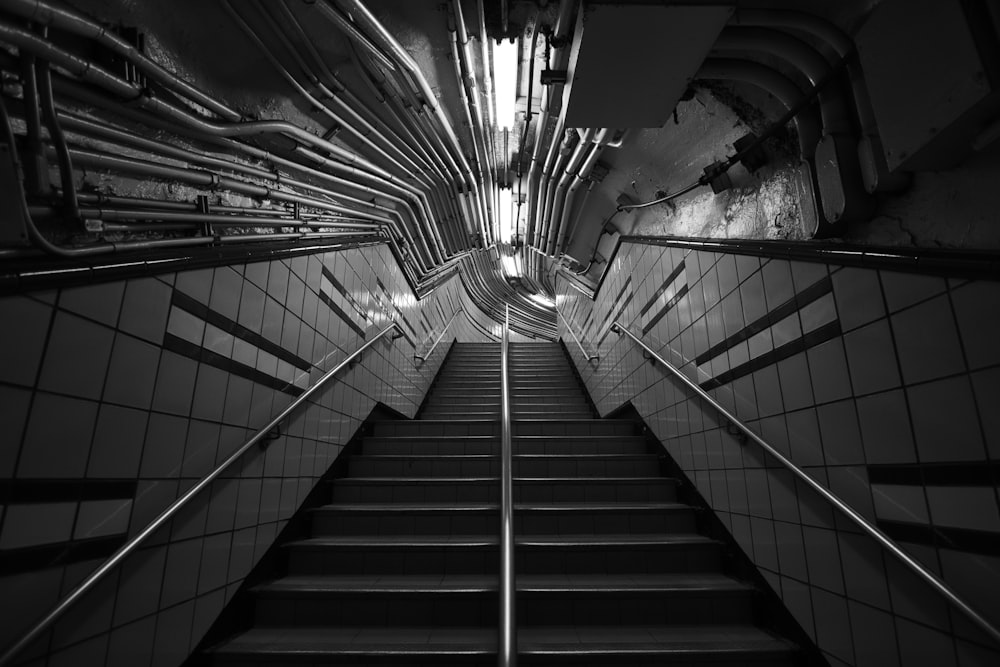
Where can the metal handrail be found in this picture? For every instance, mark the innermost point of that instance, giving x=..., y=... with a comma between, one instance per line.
x=866, y=526
x=590, y=357
x=507, y=648
x=425, y=357
x=118, y=556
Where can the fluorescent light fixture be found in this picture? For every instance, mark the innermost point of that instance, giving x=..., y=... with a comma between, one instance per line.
x=506, y=216
x=543, y=301
x=509, y=266
x=505, y=59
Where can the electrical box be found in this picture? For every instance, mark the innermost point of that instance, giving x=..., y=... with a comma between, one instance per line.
x=630, y=63
x=933, y=72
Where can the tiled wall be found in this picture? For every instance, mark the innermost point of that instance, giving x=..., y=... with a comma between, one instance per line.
x=117, y=397
x=884, y=386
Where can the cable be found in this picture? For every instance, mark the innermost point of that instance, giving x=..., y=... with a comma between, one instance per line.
x=682, y=191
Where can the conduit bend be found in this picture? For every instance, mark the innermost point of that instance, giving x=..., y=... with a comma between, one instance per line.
x=807, y=123
x=46, y=14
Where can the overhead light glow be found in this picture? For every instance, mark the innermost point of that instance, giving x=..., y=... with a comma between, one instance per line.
x=510, y=268
x=505, y=60
x=506, y=216
x=542, y=300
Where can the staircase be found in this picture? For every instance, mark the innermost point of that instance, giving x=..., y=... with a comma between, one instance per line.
x=401, y=567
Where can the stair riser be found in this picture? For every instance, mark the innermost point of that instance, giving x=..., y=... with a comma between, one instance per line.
x=618, y=559
x=362, y=466
x=550, y=522
x=575, y=428
x=580, y=445
x=442, y=467
x=429, y=428
x=629, y=608
x=405, y=523
x=417, y=492
x=379, y=609
x=394, y=561
x=593, y=492
x=491, y=445
x=434, y=446
x=607, y=467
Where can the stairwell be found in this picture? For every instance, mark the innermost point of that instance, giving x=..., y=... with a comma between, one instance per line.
x=401, y=565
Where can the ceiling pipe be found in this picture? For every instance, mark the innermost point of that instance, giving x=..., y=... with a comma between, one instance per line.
x=357, y=11
x=807, y=124
x=412, y=108
x=879, y=178
x=463, y=93
x=552, y=112
x=467, y=81
x=583, y=150
x=838, y=171
x=44, y=13
x=465, y=203
x=571, y=154
x=601, y=141
x=88, y=96
x=438, y=248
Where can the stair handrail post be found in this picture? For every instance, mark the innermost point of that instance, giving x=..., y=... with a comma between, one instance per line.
x=507, y=648
x=425, y=357
x=569, y=327
x=131, y=545
x=866, y=526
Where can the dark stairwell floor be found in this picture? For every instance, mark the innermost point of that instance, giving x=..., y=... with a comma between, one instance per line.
x=399, y=563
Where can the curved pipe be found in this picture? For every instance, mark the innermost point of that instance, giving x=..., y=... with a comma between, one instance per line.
x=870, y=148
x=64, y=18
x=584, y=149
x=362, y=16
x=799, y=55
x=806, y=123
x=601, y=141
x=473, y=113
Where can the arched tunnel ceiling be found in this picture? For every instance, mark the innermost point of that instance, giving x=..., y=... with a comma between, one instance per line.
x=434, y=160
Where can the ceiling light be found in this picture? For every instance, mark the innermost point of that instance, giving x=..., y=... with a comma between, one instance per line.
x=541, y=300
x=506, y=216
x=505, y=61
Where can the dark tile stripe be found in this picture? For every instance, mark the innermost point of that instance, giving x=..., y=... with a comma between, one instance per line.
x=678, y=270
x=192, y=351
x=957, y=539
x=399, y=314
x=615, y=319
x=200, y=310
x=337, y=285
x=936, y=474
x=30, y=559
x=805, y=297
x=811, y=339
x=666, y=308
x=344, y=317
x=64, y=490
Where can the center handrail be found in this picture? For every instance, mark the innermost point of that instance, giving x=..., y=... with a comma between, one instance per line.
x=131, y=545
x=873, y=531
x=590, y=357
x=507, y=648
x=425, y=357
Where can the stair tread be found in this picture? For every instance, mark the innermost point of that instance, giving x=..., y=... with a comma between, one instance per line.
x=630, y=582
x=538, y=640
x=613, y=539
x=600, y=507
x=407, y=507
x=397, y=540
x=653, y=640
x=379, y=640
x=416, y=480
x=380, y=583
